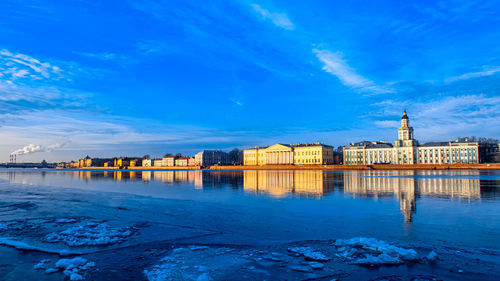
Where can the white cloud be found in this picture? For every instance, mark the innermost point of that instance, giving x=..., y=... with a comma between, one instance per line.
x=335, y=64
x=445, y=118
x=278, y=19
x=15, y=65
x=470, y=75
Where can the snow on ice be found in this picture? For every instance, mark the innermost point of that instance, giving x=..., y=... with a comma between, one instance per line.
x=42, y=264
x=196, y=263
x=26, y=247
x=309, y=253
x=73, y=268
x=90, y=234
x=370, y=251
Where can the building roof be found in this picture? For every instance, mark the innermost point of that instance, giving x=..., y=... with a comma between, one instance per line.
x=435, y=143
x=371, y=144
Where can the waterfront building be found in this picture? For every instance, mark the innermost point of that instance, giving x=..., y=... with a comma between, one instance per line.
x=182, y=161
x=406, y=150
x=147, y=162
x=211, y=157
x=289, y=154
x=191, y=161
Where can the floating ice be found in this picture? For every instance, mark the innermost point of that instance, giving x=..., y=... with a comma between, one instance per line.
x=90, y=234
x=196, y=263
x=432, y=256
x=309, y=253
x=42, y=264
x=372, y=251
x=64, y=220
x=316, y=265
x=26, y=247
x=73, y=267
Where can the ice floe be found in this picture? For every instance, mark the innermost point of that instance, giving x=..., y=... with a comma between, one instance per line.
x=371, y=251
x=27, y=247
x=432, y=256
x=90, y=234
x=66, y=220
x=309, y=253
x=42, y=264
x=74, y=268
x=197, y=263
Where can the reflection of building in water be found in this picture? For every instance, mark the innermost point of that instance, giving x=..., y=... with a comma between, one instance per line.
x=281, y=182
x=406, y=185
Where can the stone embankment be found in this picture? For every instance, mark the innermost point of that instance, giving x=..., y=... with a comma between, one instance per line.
x=490, y=166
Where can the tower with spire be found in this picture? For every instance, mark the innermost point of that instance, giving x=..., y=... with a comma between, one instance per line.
x=405, y=133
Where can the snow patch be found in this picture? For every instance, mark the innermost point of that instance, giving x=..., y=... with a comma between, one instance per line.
x=90, y=234
x=309, y=253
x=370, y=251
x=73, y=267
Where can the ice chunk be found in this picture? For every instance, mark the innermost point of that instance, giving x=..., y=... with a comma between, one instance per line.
x=362, y=250
x=73, y=267
x=42, y=264
x=90, y=234
x=316, y=265
x=432, y=256
x=309, y=253
x=26, y=247
x=64, y=220
x=51, y=270
x=71, y=263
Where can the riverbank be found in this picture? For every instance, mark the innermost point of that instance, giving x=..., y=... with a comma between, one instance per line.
x=489, y=166
x=486, y=166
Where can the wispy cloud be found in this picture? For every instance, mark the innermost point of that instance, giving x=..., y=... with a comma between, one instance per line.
x=101, y=56
x=335, y=64
x=445, y=118
x=486, y=72
x=15, y=65
x=278, y=19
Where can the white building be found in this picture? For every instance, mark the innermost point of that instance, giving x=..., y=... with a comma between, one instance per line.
x=406, y=150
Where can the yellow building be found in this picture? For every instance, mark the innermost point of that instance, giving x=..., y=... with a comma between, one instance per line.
x=284, y=154
x=182, y=161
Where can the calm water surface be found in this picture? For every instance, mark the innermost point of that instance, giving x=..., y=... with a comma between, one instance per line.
x=458, y=208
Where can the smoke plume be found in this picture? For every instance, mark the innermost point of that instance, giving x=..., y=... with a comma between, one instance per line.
x=32, y=148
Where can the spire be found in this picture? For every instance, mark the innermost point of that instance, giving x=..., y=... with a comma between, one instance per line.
x=404, y=115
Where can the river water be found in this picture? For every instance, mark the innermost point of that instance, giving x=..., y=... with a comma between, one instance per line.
x=247, y=225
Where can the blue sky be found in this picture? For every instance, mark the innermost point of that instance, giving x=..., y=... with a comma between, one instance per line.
x=111, y=78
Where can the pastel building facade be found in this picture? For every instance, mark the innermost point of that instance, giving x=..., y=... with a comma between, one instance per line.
x=406, y=150
x=284, y=154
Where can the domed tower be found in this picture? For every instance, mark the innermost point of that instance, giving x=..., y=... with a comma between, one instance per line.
x=405, y=132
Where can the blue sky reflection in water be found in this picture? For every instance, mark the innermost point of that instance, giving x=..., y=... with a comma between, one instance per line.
x=431, y=207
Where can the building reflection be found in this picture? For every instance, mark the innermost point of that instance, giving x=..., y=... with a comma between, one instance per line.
x=282, y=183
x=407, y=185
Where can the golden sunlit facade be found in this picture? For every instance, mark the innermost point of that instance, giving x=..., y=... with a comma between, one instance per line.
x=284, y=154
